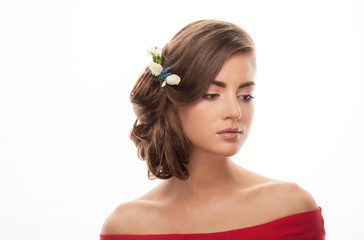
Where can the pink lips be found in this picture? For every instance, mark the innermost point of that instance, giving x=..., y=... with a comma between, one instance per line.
x=230, y=133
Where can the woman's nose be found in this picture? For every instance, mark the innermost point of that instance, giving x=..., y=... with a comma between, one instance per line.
x=231, y=109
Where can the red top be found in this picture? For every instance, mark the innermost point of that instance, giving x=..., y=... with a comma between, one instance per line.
x=300, y=226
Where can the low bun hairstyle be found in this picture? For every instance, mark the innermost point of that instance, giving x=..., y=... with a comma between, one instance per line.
x=197, y=53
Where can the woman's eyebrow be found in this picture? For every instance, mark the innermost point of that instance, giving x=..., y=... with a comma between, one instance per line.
x=223, y=85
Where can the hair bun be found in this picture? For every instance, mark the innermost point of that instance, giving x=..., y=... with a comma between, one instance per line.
x=148, y=98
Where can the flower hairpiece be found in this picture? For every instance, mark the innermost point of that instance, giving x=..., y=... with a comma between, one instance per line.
x=160, y=72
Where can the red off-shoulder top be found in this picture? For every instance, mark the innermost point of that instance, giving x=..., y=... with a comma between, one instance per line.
x=302, y=226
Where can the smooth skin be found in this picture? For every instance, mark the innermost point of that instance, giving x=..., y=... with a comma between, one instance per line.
x=219, y=195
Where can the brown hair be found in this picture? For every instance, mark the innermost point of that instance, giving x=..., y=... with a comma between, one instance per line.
x=197, y=53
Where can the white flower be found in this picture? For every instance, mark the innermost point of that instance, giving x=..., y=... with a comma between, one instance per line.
x=151, y=51
x=155, y=51
x=155, y=68
x=173, y=79
x=158, y=51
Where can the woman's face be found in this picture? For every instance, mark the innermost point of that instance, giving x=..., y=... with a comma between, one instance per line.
x=219, y=122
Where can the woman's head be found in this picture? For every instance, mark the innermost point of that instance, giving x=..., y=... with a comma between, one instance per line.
x=197, y=53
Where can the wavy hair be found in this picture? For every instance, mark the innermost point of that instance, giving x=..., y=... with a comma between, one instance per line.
x=197, y=53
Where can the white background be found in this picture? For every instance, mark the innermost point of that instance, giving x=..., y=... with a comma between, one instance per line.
x=66, y=70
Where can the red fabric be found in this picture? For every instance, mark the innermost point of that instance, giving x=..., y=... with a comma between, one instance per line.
x=301, y=226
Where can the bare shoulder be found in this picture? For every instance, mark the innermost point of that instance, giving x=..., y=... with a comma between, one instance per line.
x=127, y=218
x=118, y=222
x=286, y=198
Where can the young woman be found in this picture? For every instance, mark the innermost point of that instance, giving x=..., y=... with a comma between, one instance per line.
x=194, y=108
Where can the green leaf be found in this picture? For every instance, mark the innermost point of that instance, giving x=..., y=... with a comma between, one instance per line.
x=159, y=59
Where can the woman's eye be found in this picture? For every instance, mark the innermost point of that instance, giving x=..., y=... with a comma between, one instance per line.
x=246, y=98
x=210, y=96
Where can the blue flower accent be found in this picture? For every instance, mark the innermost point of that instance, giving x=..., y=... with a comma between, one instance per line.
x=165, y=73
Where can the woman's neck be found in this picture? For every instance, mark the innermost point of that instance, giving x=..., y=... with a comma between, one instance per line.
x=209, y=175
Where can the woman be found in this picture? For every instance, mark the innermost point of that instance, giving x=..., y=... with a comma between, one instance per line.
x=194, y=108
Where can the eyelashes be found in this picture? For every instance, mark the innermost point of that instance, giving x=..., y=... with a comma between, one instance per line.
x=210, y=96
x=245, y=98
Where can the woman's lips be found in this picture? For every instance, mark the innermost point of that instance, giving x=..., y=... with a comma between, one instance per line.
x=230, y=133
